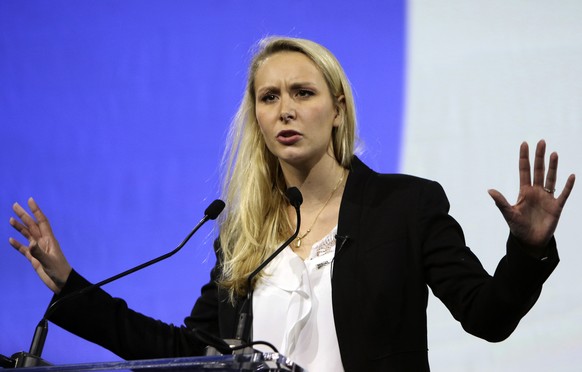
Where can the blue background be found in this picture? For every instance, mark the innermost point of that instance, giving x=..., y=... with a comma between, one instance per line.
x=113, y=115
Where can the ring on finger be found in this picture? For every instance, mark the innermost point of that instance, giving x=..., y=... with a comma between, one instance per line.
x=550, y=191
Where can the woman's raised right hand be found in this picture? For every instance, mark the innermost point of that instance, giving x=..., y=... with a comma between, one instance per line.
x=43, y=250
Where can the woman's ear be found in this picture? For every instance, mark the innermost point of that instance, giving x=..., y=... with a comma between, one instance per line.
x=340, y=107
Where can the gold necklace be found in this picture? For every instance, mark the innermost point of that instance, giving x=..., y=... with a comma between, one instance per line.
x=298, y=243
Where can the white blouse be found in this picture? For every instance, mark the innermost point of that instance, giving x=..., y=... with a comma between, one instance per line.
x=292, y=307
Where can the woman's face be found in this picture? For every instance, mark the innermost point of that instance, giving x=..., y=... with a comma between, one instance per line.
x=294, y=108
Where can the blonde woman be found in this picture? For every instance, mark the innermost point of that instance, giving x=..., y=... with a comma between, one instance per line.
x=350, y=292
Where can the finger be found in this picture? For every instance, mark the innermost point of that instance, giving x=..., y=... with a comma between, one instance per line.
x=539, y=164
x=42, y=221
x=524, y=167
x=500, y=201
x=567, y=189
x=23, y=249
x=552, y=172
x=20, y=228
x=17, y=245
x=27, y=220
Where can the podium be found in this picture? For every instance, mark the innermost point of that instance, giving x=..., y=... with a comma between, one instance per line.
x=221, y=363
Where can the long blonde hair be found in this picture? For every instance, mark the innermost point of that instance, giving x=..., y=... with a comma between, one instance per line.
x=256, y=221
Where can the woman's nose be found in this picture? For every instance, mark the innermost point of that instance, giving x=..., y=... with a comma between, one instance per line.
x=287, y=111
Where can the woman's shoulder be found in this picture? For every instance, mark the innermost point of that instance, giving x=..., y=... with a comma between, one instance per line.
x=396, y=180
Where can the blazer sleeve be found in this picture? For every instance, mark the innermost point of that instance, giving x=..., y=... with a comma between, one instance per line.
x=204, y=314
x=214, y=313
x=99, y=318
x=487, y=306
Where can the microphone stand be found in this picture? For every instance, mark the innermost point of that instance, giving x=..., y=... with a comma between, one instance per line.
x=242, y=343
x=245, y=319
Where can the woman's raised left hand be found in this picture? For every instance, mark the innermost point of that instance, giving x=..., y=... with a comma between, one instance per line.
x=534, y=217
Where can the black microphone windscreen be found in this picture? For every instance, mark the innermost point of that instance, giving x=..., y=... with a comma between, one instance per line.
x=294, y=196
x=214, y=209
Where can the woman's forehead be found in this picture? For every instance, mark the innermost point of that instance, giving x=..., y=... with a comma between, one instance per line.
x=287, y=66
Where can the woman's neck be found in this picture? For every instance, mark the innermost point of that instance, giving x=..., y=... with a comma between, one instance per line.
x=321, y=187
x=315, y=182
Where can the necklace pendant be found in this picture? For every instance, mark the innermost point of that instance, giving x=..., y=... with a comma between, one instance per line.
x=298, y=244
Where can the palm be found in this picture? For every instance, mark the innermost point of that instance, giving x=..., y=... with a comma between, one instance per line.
x=534, y=217
x=43, y=250
x=47, y=245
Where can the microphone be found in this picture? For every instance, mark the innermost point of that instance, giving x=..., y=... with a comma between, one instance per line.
x=245, y=319
x=32, y=358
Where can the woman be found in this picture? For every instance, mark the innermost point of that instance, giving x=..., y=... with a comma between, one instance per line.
x=351, y=291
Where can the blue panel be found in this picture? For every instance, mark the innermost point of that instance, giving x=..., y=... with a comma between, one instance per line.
x=113, y=116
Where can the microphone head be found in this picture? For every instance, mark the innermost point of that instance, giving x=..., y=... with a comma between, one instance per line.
x=294, y=196
x=214, y=209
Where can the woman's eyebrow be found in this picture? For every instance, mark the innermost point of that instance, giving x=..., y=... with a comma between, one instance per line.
x=267, y=88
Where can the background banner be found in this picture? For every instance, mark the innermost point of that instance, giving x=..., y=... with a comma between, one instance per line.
x=113, y=116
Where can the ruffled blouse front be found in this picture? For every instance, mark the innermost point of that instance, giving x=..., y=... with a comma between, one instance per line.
x=293, y=310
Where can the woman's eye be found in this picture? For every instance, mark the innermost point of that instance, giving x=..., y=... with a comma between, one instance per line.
x=304, y=93
x=268, y=98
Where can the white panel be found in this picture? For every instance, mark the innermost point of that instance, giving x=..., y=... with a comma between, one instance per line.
x=483, y=77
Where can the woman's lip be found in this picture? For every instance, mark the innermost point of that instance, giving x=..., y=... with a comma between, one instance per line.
x=288, y=137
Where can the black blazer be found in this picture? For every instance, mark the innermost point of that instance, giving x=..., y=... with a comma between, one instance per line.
x=394, y=238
